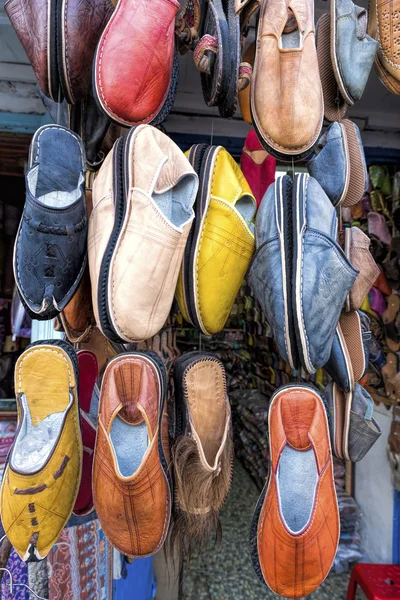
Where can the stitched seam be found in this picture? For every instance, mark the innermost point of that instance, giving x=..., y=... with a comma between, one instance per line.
x=66, y=52
x=301, y=277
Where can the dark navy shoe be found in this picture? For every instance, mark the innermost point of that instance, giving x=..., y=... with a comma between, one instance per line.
x=50, y=251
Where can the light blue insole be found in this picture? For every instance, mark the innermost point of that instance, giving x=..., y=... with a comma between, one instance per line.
x=297, y=481
x=130, y=443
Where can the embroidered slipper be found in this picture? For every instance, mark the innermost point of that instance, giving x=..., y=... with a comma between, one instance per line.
x=335, y=106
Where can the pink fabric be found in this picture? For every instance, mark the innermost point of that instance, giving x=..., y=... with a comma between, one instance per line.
x=259, y=176
x=377, y=301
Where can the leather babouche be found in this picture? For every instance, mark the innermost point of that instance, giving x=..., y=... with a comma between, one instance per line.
x=221, y=244
x=295, y=528
x=383, y=27
x=60, y=39
x=43, y=471
x=136, y=68
x=141, y=218
x=202, y=448
x=131, y=480
x=286, y=94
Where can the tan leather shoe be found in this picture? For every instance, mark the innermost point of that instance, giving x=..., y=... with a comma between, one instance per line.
x=141, y=218
x=295, y=529
x=131, y=484
x=383, y=26
x=286, y=93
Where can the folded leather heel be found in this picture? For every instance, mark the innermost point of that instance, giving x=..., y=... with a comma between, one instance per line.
x=286, y=94
x=142, y=215
x=298, y=506
x=202, y=449
x=132, y=455
x=353, y=429
x=50, y=251
x=300, y=275
x=136, y=90
x=221, y=243
x=43, y=468
x=357, y=251
x=346, y=184
x=62, y=48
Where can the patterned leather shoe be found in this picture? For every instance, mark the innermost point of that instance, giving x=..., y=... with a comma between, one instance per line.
x=50, y=248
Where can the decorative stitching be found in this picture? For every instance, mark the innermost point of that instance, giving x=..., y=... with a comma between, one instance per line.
x=301, y=274
x=66, y=53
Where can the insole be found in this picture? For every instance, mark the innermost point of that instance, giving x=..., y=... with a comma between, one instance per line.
x=175, y=203
x=297, y=481
x=246, y=208
x=291, y=40
x=206, y=393
x=35, y=442
x=130, y=443
x=56, y=180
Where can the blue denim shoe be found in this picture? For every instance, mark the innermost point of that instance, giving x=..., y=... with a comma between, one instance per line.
x=339, y=164
x=300, y=275
x=352, y=49
x=50, y=248
x=353, y=430
x=348, y=361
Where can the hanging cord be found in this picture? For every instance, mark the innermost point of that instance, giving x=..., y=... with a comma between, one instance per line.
x=11, y=585
x=58, y=105
x=212, y=126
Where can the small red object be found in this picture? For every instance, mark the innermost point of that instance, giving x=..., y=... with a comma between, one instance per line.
x=378, y=582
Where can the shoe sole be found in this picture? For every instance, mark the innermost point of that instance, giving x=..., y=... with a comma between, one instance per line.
x=356, y=177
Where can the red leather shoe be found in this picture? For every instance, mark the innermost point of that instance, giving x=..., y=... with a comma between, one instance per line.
x=88, y=374
x=134, y=67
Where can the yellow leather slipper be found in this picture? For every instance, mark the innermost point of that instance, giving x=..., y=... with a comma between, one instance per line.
x=43, y=469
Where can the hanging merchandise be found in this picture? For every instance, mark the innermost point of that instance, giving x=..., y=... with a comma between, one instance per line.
x=142, y=215
x=352, y=49
x=88, y=375
x=132, y=486
x=300, y=275
x=382, y=26
x=141, y=87
x=341, y=145
x=244, y=94
x=286, y=95
x=298, y=506
x=258, y=166
x=202, y=448
x=62, y=49
x=357, y=251
x=50, y=248
x=221, y=243
x=45, y=461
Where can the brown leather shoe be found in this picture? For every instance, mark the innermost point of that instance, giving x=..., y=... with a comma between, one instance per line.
x=382, y=26
x=295, y=529
x=131, y=484
x=202, y=449
x=286, y=94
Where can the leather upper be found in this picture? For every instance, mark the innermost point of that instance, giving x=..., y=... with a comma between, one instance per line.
x=145, y=264
x=81, y=25
x=294, y=565
x=135, y=511
x=44, y=372
x=134, y=60
x=286, y=93
x=383, y=26
x=226, y=245
x=362, y=259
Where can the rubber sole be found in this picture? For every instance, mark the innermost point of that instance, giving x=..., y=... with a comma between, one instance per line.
x=357, y=181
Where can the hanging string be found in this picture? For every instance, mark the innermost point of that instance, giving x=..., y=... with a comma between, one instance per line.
x=11, y=585
x=212, y=126
x=59, y=105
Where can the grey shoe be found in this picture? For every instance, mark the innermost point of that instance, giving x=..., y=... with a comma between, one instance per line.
x=352, y=49
x=353, y=429
x=300, y=275
x=339, y=164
